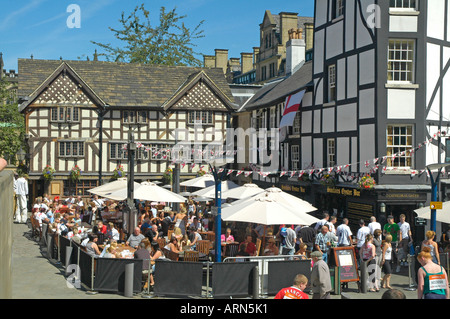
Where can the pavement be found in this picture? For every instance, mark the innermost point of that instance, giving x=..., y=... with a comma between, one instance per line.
x=36, y=277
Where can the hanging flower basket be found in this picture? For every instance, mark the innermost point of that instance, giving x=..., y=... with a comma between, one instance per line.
x=327, y=180
x=167, y=176
x=75, y=173
x=201, y=173
x=118, y=172
x=366, y=182
x=48, y=172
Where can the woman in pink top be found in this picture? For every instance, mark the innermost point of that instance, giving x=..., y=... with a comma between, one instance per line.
x=227, y=237
x=367, y=254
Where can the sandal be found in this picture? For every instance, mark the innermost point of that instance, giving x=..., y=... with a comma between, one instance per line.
x=372, y=290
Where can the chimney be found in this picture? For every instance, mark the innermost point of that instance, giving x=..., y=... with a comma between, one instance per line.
x=209, y=61
x=222, y=59
x=246, y=62
x=309, y=35
x=255, y=56
x=295, y=50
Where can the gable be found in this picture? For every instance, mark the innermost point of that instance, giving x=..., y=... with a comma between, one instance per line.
x=200, y=97
x=199, y=92
x=63, y=91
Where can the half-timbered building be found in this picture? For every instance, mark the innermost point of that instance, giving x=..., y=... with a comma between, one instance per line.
x=81, y=113
x=379, y=104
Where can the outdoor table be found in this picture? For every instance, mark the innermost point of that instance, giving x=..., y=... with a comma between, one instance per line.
x=201, y=256
x=120, y=248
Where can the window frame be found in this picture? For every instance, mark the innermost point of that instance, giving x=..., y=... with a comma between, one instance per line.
x=63, y=149
x=331, y=152
x=403, y=7
x=192, y=115
x=391, y=72
x=64, y=114
x=331, y=84
x=338, y=9
x=295, y=157
x=390, y=163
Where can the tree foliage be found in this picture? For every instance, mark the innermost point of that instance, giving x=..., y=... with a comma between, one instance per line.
x=12, y=124
x=169, y=43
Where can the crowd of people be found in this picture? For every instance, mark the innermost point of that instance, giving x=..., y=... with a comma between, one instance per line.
x=95, y=224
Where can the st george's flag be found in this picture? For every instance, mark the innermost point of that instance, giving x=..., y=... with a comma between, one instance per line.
x=292, y=105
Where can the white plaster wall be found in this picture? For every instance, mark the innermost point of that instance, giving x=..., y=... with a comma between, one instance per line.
x=346, y=117
x=436, y=19
x=367, y=104
x=401, y=104
x=335, y=42
x=352, y=76
x=342, y=150
x=328, y=120
x=318, y=152
x=401, y=23
x=305, y=155
x=306, y=122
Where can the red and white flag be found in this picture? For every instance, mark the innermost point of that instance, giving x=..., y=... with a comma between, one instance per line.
x=290, y=110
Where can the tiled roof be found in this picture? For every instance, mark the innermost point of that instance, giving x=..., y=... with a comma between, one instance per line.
x=276, y=92
x=120, y=84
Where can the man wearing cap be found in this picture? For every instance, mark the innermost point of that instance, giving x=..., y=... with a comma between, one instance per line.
x=320, y=277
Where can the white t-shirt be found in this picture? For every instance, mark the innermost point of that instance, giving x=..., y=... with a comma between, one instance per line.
x=343, y=232
x=404, y=228
x=361, y=235
x=320, y=223
x=373, y=226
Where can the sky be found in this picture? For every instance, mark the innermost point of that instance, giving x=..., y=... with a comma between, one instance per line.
x=40, y=27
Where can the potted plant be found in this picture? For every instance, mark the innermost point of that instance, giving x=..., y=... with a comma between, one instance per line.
x=167, y=176
x=201, y=172
x=118, y=172
x=75, y=173
x=327, y=180
x=366, y=182
x=48, y=172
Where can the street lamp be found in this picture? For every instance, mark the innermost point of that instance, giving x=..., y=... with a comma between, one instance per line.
x=130, y=208
x=217, y=210
x=434, y=185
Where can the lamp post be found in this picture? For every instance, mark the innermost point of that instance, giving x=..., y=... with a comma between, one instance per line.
x=130, y=208
x=434, y=187
x=217, y=212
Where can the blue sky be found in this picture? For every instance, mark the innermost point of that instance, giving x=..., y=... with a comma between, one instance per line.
x=39, y=27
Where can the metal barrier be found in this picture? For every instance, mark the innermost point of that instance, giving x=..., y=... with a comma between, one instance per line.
x=263, y=262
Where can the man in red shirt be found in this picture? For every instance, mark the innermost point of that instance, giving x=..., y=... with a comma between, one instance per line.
x=247, y=248
x=296, y=290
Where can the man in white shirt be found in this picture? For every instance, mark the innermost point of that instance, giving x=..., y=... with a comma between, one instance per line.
x=373, y=225
x=406, y=237
x=331, y=223
x=363, y=231
x=322, y=222
x=21, y=187
x=344, y=234
x=98, y=202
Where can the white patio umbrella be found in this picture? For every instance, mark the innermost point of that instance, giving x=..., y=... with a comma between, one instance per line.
x=271, y=207
x=110, y=187
x=200, y=182
x=150, y=192
x=243, y=191
x=442, y=215
x=211, y=190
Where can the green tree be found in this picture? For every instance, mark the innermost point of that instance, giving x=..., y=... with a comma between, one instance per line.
x=12, y=124
x=169, y=43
